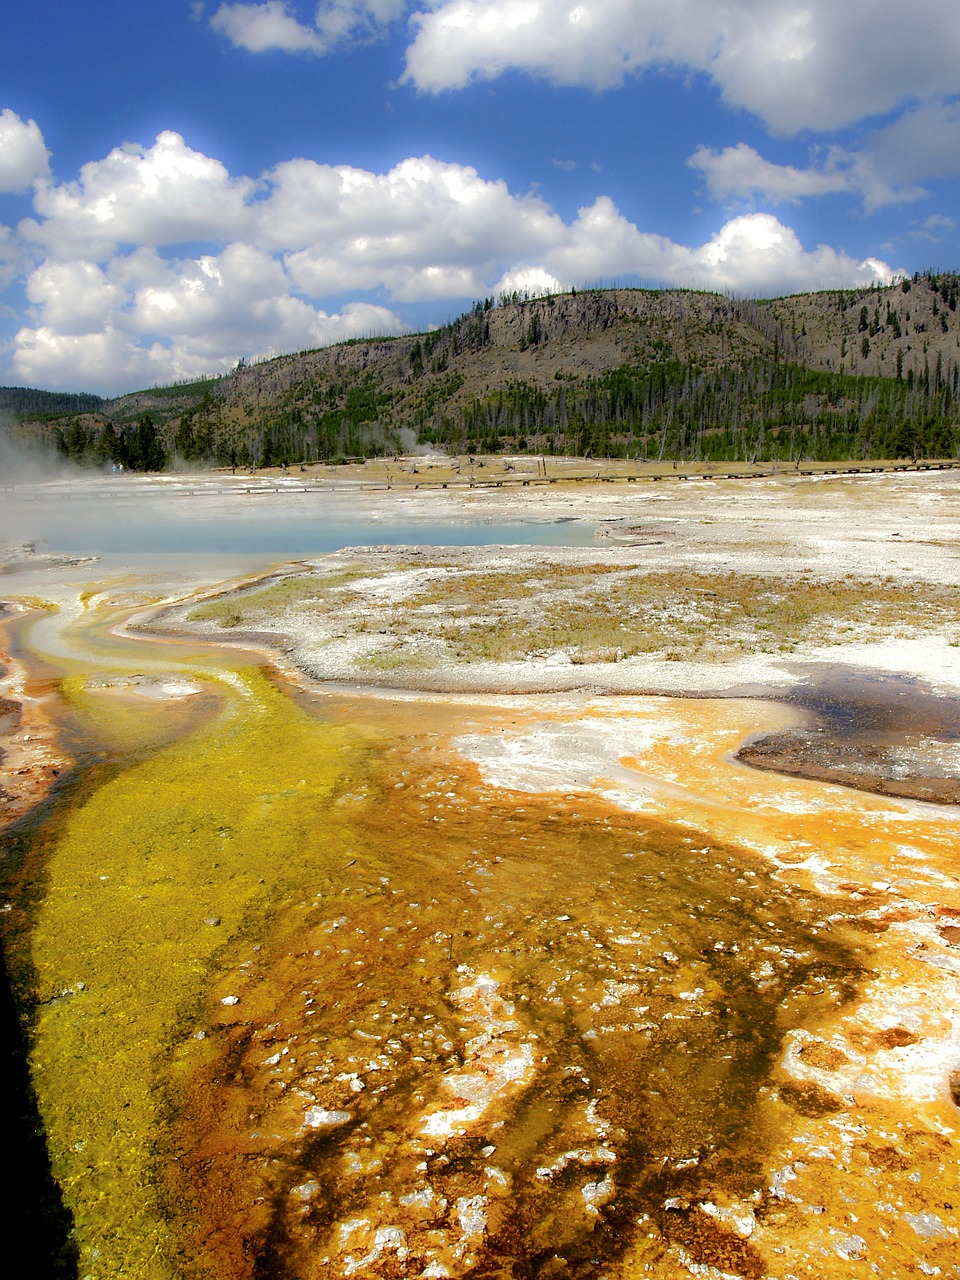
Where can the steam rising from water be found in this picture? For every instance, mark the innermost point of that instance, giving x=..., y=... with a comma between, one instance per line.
x=22, y=461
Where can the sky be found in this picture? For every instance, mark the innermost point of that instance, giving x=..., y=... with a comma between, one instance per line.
x=184, y=184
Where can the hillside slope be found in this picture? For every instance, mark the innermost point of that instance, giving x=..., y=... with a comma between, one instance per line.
x=672, y=372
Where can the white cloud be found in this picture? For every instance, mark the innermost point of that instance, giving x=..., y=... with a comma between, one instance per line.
x=934, y=228
x=887, y=168
x=741, y=171
x=797, y=64
x=753, y=255
x=531, y=281
x=121, y=294
x=144, y=320
x=260, y=28
x=756, y=254
x=24, y=157
x=104, y=361
x=242, y=301
x=74, y=297
x=165, y=194
x=424, y=230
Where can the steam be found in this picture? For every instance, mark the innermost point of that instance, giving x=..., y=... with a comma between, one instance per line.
x=23, y=461
x=410, y=445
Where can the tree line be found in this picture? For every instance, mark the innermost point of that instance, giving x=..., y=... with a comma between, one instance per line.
x=28, y=401
x=136, y=446
x=760, y=409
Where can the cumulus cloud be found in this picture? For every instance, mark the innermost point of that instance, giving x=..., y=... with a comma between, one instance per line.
x=121, y=294
x=114, y=359
x=887, y=168
x=798, y=64
x=242, y=301
x=424, y=230
x=754, y=254
x=741, y=171
x=143, y=319
x=532, y=282
x=261, y=28
x=105, y=361
x=24, y=157
x=74, y=297
x=161, y=195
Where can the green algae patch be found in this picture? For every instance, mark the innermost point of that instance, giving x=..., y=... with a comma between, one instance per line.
x=148, y=878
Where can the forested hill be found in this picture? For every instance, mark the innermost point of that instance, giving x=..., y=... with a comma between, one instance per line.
x=29, y=402
x=644, y=373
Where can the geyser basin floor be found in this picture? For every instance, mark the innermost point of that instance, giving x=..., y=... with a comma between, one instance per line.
x=546, y=985
x=435, y=1017
x=538, y=1034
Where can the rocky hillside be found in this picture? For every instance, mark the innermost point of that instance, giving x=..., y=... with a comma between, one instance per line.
x=627, y=370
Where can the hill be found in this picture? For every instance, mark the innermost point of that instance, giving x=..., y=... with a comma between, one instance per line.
x=663, y=373
x=28, y=402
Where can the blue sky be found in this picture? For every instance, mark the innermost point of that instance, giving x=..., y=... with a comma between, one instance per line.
x=183, y=184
